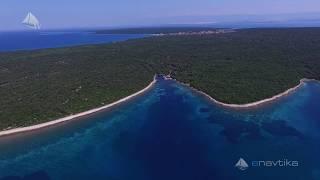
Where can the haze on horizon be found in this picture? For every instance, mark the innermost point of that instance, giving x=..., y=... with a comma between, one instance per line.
x=58, y=14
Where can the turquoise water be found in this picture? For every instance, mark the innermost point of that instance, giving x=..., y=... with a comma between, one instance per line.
x=28, y=40
x=172, y=132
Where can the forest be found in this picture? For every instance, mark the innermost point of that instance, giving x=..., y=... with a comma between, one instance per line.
x=240, y=67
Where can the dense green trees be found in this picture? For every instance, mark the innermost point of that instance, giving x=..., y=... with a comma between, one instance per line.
x=240, y=67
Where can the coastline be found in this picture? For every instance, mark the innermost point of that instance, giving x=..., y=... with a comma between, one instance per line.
x=248, y=105
x=72, y=117
x=166, y=77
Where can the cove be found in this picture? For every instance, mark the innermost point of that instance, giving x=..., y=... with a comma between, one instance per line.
x=173, y=132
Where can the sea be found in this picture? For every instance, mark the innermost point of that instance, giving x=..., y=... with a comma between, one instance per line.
x=31, y=40
x=172, y=132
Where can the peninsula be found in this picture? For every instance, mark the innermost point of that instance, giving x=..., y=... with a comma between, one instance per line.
x=245, y=66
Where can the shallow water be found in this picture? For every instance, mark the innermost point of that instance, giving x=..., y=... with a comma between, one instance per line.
x=172, y=132
x=13, y=41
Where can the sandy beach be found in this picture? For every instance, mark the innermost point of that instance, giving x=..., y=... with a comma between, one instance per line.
x=253, y=104
x=72, y=117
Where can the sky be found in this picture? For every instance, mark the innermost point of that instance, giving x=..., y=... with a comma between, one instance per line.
x=56, y=14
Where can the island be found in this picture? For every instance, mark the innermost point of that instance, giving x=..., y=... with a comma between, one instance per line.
x=244, y=66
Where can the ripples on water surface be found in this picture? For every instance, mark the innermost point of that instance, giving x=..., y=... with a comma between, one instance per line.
x=173, y=133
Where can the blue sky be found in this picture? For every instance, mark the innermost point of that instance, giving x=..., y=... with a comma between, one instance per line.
x=107, y=13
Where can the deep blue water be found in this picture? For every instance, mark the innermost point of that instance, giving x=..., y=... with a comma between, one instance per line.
x=172, y=132
x=12, y=41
